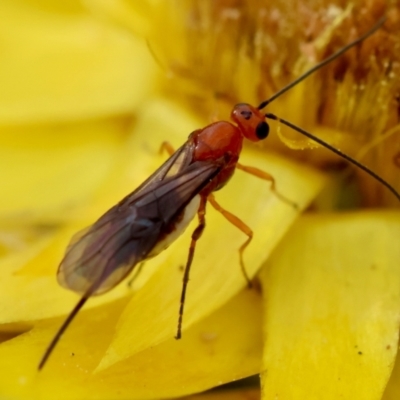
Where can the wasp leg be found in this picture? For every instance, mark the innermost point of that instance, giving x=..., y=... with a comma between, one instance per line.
x=201, y=212
x=266, y=177
x=135, y=274
x=233, y=219
x=167, y=146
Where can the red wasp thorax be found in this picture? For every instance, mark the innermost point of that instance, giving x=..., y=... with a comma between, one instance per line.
x=223, y=141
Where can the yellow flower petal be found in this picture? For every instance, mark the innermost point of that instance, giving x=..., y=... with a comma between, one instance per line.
x=134, y=15
x=332, y=295
x=59, y=166
x=226, y=346
x=28, y=285
x=51, y=59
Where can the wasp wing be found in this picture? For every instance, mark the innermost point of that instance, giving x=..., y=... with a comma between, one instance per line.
x=176, y=163
x=99, y=257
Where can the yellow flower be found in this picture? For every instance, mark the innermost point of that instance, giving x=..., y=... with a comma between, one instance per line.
x=85, y=106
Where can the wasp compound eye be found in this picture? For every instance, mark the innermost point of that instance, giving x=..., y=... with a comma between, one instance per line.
x=262, y=130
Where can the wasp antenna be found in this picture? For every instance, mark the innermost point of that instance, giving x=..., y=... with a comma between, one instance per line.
x=323, y=63
x=62, y=329
x=336, y=151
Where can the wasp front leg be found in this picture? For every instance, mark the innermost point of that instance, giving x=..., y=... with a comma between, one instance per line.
x=167, y=146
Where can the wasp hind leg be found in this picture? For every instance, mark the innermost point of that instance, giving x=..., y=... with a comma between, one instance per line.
x=201, y=212
x=234, y=220
x=135, y=274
